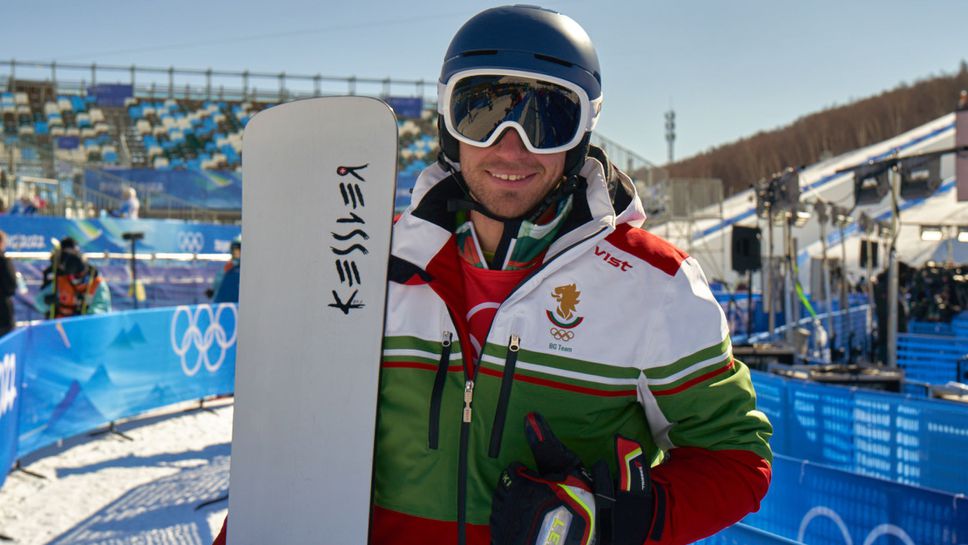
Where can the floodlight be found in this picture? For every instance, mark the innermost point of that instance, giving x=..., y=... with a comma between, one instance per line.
x=920, y=176
x=931, y=233
x=963, y=234
x=871, y=183
x=788, y=189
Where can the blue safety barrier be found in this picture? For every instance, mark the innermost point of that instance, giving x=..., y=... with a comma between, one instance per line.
x=933, y=359
x=105, y=234
x=82, y=373
x=891, y=436
x=826, y=506
x=11, y=378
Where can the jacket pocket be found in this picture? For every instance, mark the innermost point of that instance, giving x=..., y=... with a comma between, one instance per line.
x=438, y=392
x=507, y=380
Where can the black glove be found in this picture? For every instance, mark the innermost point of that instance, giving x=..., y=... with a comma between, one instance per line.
x=554, y=504
x=626, y=512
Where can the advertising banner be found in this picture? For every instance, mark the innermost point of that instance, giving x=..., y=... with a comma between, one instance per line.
x=86, y=372
x=34, y=234
x=825, y=506
x=11, y=378
x=209, y=189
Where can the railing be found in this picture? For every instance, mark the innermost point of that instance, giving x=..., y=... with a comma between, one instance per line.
x=209, y=84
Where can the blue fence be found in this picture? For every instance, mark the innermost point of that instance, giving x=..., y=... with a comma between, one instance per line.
x=847, y=334
x=825, y=506
x=934, y=359
x=78, y=374
x=896, y=437
x=882, y=466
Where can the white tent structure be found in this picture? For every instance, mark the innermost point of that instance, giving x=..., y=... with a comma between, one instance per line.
x=709, y=240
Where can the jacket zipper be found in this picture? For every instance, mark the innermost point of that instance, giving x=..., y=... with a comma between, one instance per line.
x=438, y=391
x=500, y=414
x=465, y=427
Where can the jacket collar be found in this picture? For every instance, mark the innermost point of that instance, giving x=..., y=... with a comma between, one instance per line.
x=426, y=225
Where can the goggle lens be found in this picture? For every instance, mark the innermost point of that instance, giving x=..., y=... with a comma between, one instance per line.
x=550, y=114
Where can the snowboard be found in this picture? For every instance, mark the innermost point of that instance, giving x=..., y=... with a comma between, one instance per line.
x=317, y=211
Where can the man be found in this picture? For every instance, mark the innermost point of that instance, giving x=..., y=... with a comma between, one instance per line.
x=225, y=287
x=8, y=288
x=541, y=350
x=522, y=289
x=75, y=289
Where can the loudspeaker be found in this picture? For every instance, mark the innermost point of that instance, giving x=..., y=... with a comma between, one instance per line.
x=863, y=253
x=746, y=249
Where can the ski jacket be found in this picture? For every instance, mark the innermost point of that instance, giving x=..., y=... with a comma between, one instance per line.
x=91, y=297
x=616, y=332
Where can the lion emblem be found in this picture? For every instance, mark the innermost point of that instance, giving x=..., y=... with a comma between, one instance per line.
x=567, y=297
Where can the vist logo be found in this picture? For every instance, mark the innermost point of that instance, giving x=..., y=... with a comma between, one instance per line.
x=607, y=257
x=8, y=383
x=565, y=316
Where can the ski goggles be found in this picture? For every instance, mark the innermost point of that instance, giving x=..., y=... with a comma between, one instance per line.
x=550, y=114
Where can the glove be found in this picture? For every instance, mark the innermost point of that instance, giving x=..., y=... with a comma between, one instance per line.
x=50, y=299
x=626, y=512
x=553, y=505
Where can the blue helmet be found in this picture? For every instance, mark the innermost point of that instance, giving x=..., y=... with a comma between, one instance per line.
x=528, y=39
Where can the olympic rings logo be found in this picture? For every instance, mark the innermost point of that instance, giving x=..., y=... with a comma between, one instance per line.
x=214, y=337
x=191, y=242
x=875, y=534
x=8, y=382
x=562, y=334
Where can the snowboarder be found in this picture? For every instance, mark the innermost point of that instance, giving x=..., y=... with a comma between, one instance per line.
x=552, y=373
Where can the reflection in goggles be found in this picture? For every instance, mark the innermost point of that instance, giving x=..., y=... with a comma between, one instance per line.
x=550, y=114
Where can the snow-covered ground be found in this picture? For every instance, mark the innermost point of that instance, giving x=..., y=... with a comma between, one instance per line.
x=112, y=491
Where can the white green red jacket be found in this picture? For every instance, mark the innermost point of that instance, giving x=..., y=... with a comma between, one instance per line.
x=644, y=352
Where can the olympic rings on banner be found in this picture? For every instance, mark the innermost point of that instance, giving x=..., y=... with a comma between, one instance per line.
x=193, y=336
x=562, y=334
x=191, y=241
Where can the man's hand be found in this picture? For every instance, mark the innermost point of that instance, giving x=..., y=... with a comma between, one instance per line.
x=553, y=505
x=626, y=513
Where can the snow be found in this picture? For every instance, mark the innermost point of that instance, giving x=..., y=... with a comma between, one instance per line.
x=108, y=490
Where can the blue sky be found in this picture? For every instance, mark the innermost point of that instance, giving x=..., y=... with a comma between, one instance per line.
x=729, y=69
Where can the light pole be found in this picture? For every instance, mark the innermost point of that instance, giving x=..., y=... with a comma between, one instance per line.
x=133, y=237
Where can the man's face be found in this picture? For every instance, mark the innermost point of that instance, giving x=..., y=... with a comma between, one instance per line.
x=508, y=179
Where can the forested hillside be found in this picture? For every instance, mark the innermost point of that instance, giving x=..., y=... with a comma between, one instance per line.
x=826, y=133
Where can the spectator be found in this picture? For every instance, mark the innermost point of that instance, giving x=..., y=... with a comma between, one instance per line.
x=76, y=289
x=8, y=287
x=130, y=205
x=66, y=244
x=225, y=289
x=24, y=206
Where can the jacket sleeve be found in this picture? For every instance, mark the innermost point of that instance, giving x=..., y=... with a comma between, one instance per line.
x=101, y=300
x=8, y=277
x=39, y=303
x=702, y=412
